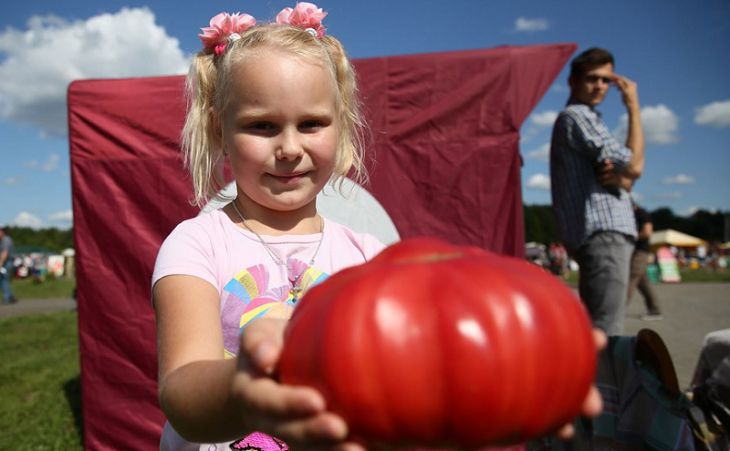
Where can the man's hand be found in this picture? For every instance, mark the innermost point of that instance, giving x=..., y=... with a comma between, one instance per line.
x=611, y=180
x=629, y=92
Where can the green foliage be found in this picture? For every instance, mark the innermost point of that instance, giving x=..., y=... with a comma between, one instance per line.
x=709, y=226
x=52, y=239
x=540, y=223
x=39, y=383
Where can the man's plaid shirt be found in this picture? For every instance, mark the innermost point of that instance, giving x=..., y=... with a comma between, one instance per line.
x=583, y=207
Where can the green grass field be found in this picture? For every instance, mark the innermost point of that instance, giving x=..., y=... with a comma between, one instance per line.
x=39, y=383
x=687, y=275
x=48, y=289
x=40, y=393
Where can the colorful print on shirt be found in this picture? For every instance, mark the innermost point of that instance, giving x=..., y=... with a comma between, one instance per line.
x=259, y=442
x=249, y=296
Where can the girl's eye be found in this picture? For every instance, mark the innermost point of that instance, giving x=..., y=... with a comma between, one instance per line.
x=260, y=127
x=312, y=125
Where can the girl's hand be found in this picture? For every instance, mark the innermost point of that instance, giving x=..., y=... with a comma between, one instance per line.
x=593, y=404
x=296, y=415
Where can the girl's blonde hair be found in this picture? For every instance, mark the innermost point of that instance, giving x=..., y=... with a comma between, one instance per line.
x=207, y=88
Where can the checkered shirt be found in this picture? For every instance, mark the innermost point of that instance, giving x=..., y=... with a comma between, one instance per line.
x=582, y=207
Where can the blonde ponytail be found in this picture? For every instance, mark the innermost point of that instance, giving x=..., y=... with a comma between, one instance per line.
x=201, y=144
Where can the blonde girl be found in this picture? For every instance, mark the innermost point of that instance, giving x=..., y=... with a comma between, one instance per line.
x=277, y=104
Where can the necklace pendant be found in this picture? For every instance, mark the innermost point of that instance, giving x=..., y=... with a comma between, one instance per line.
x=295, y=291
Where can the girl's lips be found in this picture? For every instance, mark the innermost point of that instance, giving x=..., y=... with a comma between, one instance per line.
x=288, y=178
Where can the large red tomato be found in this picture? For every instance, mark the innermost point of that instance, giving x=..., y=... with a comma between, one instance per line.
x=433, y=344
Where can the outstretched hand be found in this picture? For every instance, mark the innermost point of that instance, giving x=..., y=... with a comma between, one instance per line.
x=593, y=403
x=296, y=415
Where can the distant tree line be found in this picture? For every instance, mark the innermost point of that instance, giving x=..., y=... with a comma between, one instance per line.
x=539, y=226
x=540, y=223
x=50, y=239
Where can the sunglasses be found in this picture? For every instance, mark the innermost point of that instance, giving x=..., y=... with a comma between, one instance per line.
x=597, y=78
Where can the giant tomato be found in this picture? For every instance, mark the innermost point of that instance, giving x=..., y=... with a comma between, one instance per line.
x=433, y=344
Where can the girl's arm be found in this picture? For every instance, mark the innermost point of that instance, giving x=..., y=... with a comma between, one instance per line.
x=208, y=399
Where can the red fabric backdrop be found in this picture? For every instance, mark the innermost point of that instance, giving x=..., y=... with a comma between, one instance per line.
x=446, y=134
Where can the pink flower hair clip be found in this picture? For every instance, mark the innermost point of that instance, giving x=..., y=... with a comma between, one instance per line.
x=227, y=28
x=304, y=15
x=224, y=28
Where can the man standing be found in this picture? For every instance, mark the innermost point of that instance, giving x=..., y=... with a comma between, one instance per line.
x=590, y=172
x=639, y=262
x=7, y=254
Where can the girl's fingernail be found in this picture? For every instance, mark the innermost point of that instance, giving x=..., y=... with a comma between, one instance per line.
x=263, y=357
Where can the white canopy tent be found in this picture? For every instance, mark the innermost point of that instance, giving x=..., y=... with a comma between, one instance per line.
x=671, y=237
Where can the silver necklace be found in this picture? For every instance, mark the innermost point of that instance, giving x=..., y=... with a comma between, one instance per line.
x=295, y=289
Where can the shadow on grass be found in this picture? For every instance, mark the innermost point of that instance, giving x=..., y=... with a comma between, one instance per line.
x=72, y=389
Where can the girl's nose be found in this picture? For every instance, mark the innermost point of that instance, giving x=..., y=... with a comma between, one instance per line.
x=290, y=146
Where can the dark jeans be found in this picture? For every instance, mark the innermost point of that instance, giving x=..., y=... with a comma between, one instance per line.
x=5, y=282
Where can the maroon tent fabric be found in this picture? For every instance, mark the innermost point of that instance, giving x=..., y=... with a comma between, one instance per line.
x=445, y=134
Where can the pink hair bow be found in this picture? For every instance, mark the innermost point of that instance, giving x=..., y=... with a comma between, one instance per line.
x=304, y=15
x=225, y=28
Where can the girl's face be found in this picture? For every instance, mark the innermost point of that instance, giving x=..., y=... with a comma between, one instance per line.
x=280, y=131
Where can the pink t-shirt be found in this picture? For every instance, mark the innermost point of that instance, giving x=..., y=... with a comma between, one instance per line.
x=250, y=281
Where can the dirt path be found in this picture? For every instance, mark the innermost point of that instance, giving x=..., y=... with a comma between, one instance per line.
x=33, y=306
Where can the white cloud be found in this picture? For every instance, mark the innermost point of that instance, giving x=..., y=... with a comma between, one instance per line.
x=715, y=114
x=523, y=24
x=541, y=153
x=25, y=219
x=679, y=179
x=10, y=181
x=690, y=211
x=539, y=181
x=61, y=216
x=538, y=122
x=544, y=119
x=43, y=59
x=659, y=122
x=563, y=88
x=51, y=164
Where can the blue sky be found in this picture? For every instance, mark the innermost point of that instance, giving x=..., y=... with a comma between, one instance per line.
x=677, y=51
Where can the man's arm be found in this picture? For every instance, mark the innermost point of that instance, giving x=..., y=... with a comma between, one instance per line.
x=646, y=230
x=608, y=177
x=635, y=137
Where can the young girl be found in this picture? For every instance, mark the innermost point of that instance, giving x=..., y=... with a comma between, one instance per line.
x=278, y=102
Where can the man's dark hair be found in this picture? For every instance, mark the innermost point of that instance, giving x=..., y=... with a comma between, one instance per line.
x=590, y=58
